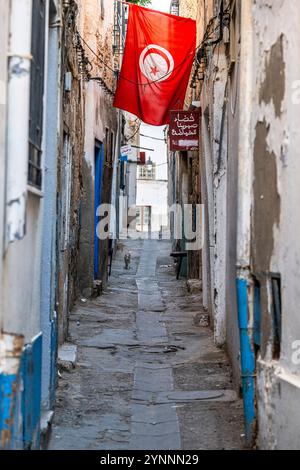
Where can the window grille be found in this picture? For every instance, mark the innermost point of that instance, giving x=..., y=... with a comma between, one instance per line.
x=175, y=7
x=36, y=93
x=146, y=173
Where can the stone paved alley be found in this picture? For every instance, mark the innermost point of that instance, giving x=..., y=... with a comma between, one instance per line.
x=148, y=375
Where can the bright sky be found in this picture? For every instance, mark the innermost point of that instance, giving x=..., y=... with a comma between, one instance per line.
x=162, y=5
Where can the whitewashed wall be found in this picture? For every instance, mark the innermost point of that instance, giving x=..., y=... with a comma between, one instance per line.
x=277, y=140
x=154, y=194
x=4, y=8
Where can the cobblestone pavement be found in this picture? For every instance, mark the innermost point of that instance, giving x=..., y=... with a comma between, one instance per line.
x=148, y=375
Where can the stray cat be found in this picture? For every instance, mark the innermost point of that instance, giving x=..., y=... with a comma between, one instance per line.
x=127, y=259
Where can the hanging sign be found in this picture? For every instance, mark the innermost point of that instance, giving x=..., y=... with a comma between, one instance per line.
x=184, y=130
x=126, y=151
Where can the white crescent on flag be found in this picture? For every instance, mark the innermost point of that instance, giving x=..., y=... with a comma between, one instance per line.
x=156, y=63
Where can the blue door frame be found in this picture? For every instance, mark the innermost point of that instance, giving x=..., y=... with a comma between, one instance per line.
x=99, y=163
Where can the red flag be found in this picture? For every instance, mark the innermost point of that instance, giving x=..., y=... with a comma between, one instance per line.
x=158, y=58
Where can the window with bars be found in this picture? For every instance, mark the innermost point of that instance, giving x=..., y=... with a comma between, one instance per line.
x=120, y=26
x=174, y=8
x=36, y=93
x=147, y=173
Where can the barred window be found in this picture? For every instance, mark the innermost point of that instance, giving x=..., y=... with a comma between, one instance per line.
x=147, y=173
x=174, y=7
x=36, y=93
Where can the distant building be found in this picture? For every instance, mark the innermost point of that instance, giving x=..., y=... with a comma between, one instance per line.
x=152, y=183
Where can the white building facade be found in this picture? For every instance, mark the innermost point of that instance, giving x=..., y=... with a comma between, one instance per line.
x=152, y=182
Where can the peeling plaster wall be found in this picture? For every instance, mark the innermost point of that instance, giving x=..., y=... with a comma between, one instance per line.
x=276, y=213
x=4, y=8
x=21, y=338
x=49, y=242
x=218, y=94
x=97, y=29
x=233, y=113
x=69, y=174
x=21, y=280
x=21, y=264
x=275, y=220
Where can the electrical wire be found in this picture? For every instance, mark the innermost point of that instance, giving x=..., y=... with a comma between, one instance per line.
x=206, y=42
x=96, y=55
x=133, y=135
x=149, y=83
x=153, y=138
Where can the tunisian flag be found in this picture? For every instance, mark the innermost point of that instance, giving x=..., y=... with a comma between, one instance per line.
x=158, y=58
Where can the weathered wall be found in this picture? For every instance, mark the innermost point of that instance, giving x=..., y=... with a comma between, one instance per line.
x=52, y=129
x=276, y=215
x=233, y=119
x=249, y=90
x=22, y=338
x=22, y=256
x=96, y=26
x=4, y=8
x=69, y=176
x=217, y=90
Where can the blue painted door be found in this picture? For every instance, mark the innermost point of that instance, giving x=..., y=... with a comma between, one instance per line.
x=31, y=397
x=99, y=161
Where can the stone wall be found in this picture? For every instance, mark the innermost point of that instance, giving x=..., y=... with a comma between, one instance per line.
x=212, y=172
x=70, y=162
x=96, y=26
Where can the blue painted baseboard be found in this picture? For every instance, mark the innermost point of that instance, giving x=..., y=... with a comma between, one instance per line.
x=20, y=401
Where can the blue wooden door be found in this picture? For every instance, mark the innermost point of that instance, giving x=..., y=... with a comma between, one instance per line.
x=99, y=160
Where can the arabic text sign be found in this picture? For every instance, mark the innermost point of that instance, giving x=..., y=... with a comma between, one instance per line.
x=126, y=151
x=184, y=130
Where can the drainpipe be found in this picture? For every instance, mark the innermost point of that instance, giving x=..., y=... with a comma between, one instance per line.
x=245, y=171
x=19, y=55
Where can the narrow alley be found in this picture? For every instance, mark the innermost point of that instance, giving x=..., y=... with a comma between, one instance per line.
x=149, y=228
x=147, y=375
